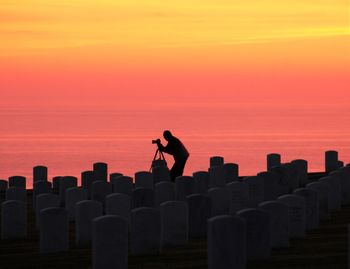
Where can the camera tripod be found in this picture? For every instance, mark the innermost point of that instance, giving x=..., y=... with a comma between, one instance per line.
x=158, y=156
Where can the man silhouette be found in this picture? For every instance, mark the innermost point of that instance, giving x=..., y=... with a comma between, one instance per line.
x=179, y=152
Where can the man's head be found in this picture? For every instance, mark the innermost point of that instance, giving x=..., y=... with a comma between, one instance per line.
x=167, y=135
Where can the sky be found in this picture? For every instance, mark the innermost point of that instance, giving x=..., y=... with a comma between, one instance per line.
x=138, y=52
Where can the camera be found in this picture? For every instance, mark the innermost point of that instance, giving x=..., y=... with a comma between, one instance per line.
x=156, y=141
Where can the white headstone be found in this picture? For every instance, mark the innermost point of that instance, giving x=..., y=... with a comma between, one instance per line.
x=184, y=186
x=226, y=243
x=73, y=196
x=297, y=217
x=122, y=184
x=217, y=176
x=114, y=175
x=271, y=181
x=3, y=185
x=163, y=192
x=302, y=167
x=160, y=173
x=85, y=212
x=331, y=160
x=43, y=201
x=16, y=193
x=174, y=220
x=39, y=173
x=40, y=187
x=256, y=190
x=293, y=176
x=311, y=207
x=230, y=172
x=258, y=233
x=283, y=179
x=110, y=243
x=279, y=223
x=335, y=196
x=201, y=181
x=273, y=159
x=344, y=175
x=56, y=183
x=101, y=171
x=100, y=189
x=13, y=219
x=144, y=179
x=54, y=230
x=323, y=198
x=145, y=231
x=66, y=183
x=87, y=178
x=118, y=204
x=142, y=197
x=199, y=211
x=240, y=195
x=220, y=201
x=17, y=181
x=215, y=161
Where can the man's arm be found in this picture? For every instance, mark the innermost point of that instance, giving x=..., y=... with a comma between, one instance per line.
x=165, y=149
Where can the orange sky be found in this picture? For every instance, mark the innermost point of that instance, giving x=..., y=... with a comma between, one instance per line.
x=114, y=52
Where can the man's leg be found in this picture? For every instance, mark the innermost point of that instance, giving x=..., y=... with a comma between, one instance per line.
x=177, y=169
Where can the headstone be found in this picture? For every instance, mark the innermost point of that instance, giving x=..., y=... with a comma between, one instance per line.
x=220, y=201
x=199, y=211
x=54, y=230
x=293, y=176
x=217, y=176
x=118, y=204
x=331, y=160
x=73, y=196
x=16, y=193
x=273, y=159
x=311, y=207
x=101, y=171
x=340, y=164
x=201, y=181
x=334, y=186
x=163, y=192
x=13, y=219
x=144, y=179
x=240, y=195
x=85, y=212
x=40, y=187
x=122, y=184
x=17, y=181
x=279, y=223
x=87, y=178
x=283, y=182
x=100, y=189
x=258, y=233
x=160, y=173
x=296, y=215
x=184, y=186
x=142, y=197
x=322, y=194
x=344, y=177
x=39, y=173
x=226, y=243
x=230, y=172
x=216, y=161
x=256, y=190
x=159, y=163
x=114, y=175
x=56, y=183
x=302, y=168
x=174, y=222
x=110, y=243
x=66, y=183
x=43, y=201
x=3, y=185
x=145, y=230
x=271, y=181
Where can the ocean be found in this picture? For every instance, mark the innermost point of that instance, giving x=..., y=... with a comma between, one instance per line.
x=69, y=140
